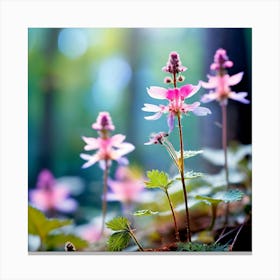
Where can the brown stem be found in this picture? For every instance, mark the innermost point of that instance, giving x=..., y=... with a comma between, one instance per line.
x=235, y=238
x=224, y=140
x=183, y=179
x=174, y=217
x=134, y=238
x=105, y=190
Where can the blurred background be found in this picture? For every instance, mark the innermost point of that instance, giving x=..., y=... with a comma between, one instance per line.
x=74, y=73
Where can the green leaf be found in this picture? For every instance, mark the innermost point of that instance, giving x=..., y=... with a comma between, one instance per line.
x=158, y=179
x=200, y=247
x=191, y=175
x=55, y=241
x=231, y=195
x=118, y=224
x=209, y=200
x=118, y=241
x=146, y=212
x=189, y=154
x=39, y=224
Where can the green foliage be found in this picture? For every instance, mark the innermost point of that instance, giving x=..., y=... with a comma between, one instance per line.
x=200, y=247
x=39, y=224
x=145, y=212
x=118, y=223
x=227, y=196
x=189, y=154
x=158, y=179
x=231, y=195
x=208, y=200
x=58, y=240
x=118, y=241
x=191, y=175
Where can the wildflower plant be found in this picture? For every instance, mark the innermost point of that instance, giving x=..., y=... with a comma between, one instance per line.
x=220, y=91
x=108, y=148
x=175, y=109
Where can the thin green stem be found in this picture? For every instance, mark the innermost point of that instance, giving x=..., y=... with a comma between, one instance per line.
x=174, y=217
x=214, y=215
x=224, y=140
x=135, y=239
x=105, y=190
x=181, y=163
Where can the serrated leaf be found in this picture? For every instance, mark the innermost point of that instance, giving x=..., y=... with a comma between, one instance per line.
x=118, y=224
x=145, y=212
x=54, y=241
x=189, y=154
x=231, y=195
x=39, y=224
x=118, y=241
x=208, y=200
x=158, y=179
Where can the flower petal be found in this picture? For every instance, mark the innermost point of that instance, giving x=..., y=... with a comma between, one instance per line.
x=154, y=117
x=212, y=83
x=157, y=92
x=189, y=90
x=116, y=140
x=124, y=149
x=201, y=111
x=91, y=159
x=209, y=97
x=151, y=108
x=170, y=122
x=235, y=79
x=92, y=143
x=190, y=107
x=240, y=96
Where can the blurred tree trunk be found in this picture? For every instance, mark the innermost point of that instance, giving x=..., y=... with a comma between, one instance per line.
x=48, y=92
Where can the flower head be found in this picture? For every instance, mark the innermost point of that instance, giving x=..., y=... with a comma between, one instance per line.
x=221, y=60
x=157, y=138
x=108, y=148
x=220, y=84
x=127, y=187
x=49, y=195
x=174, y=64
x=103, y=122
x=176, y=105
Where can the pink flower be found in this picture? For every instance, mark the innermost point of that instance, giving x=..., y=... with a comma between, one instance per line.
x=108, y=148
x=127, y=187
x=222, y=91
x=49, y=195
x=220, y=84
x=174, y=64
x=157, y=138
x=221, y=60
x=103, y=122
x=176, y=106
x=111, y=148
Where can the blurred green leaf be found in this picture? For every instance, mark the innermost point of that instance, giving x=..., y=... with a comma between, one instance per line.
x=145, y=212
x=118, y=241
x=188, y=154
x=58, y=240
x=235, y=155
x=158, y=179
x=208, y=200
x=39, y=224
x=191, y=175
x=118, y=224
x=230, y=195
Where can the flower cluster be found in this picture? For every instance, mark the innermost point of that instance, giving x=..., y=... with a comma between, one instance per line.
x=50, y=196
x=220, y=84
x=175, y=96
x=108, y=148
